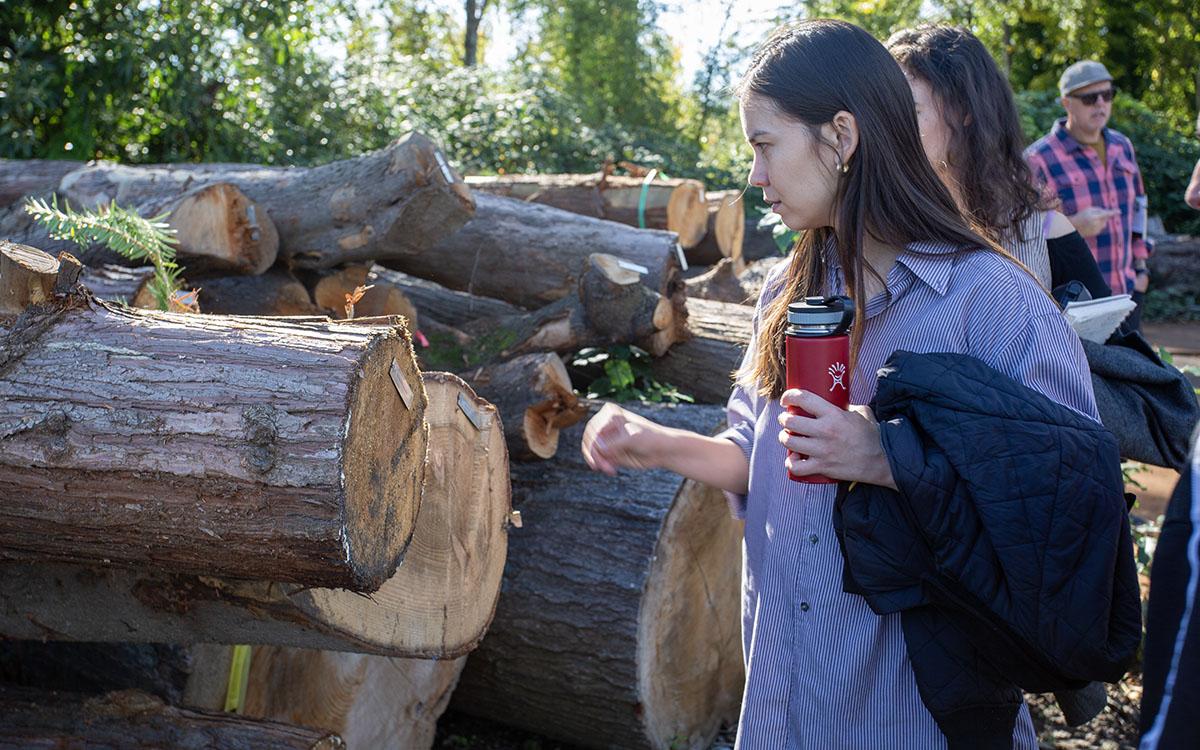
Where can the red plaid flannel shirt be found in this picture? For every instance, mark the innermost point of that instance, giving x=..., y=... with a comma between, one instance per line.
x=1072, y=172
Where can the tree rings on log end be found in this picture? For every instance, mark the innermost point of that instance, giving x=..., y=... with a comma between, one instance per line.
x=383, y=467
x=690, y=673
x=687, y=212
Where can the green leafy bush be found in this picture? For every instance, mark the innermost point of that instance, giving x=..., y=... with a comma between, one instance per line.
x=1165, y=155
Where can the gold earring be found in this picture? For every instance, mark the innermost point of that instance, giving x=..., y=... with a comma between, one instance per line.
x=845, y=167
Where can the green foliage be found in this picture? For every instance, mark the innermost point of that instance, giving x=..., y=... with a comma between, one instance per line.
x=1171, y=304
x=622, y=373
x=122, y=231
x=1165, y=154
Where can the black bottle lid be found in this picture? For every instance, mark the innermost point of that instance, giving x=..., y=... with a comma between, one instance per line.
x=820, y=316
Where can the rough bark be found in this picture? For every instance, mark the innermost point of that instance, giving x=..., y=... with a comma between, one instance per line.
x=703, y=366
x=535, y=398
x=726, y=229
x=447, y=306
x=120, y=284
x=758, y=243
x=608, y=306
x=131, y=720
x=382, y=296
x=531, y=255
x=619, y=621
x=235, y=447
x=371, y=702
x=674, y=205
x=437, y=604
x=22, y=178
x=274, y=293
x=393, y=202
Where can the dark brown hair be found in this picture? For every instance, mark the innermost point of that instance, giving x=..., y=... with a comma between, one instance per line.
x=976, y=102
x=811, y=71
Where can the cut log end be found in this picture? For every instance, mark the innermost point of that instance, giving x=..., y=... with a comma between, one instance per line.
x=687, y=213
x=27, y=277
x=383, y=473
x=219, y=228
x=560, y=408
x=689, y=673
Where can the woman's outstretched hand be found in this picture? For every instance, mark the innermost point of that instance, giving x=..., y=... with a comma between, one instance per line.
x=616, y=439
x=838, y=444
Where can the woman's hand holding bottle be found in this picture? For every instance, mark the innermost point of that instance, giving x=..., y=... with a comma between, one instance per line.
x=839, y=444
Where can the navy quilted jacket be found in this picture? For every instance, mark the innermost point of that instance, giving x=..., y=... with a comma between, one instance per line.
x=1007, y=547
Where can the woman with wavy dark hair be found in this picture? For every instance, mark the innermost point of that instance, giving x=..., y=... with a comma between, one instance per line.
x=972, y=135
x=837, y=154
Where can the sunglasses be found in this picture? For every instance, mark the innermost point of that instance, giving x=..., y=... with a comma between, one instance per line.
x=1090, y=99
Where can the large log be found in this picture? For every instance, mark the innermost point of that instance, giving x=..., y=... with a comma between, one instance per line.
x=531, y=255
x=276, y=292
x=447, y=306
x=608, y=306
x=237, y=447
x=371, y=702
x=120, y=284
x=23, y=178
x=437, y=604
x=675, y=205
x=131, y=720
x=619, y=624
x=535, y=398
x=726, y=229
x=703, y=365
x=393, y=202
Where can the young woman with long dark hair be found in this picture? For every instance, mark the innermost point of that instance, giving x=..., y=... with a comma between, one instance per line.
x=838, y=155
x=972, y=135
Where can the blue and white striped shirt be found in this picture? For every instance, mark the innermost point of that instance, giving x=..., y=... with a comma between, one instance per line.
x=822, y=669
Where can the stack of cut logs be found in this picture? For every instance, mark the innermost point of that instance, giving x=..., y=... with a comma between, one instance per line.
x=318, y=464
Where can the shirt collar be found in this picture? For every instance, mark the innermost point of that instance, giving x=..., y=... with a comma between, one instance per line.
x=1062, y=134
x=931, y=262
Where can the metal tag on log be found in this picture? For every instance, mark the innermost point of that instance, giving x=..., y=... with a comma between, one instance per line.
x=629, y=266
x=441, y=161
x=402, y=386
x=481, y=421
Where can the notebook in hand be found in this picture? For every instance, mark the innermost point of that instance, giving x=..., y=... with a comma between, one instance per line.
x=1096, y=319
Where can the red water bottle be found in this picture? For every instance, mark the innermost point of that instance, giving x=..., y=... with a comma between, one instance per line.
x=818, y=356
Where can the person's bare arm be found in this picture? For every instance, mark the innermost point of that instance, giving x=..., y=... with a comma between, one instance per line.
x=616, y=439
x=1192, y=194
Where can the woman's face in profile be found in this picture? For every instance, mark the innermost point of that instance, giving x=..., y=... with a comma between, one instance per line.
x=935, y=135
x=798, y=179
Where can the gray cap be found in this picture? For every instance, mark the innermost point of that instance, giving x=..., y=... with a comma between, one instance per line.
x=1082, y=73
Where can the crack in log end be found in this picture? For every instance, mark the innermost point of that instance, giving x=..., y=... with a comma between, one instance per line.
x=262, y=432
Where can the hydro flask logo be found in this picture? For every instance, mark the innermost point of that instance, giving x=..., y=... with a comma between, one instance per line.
x=837, y=371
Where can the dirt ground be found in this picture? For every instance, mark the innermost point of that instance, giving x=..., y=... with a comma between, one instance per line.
x=1113, y=729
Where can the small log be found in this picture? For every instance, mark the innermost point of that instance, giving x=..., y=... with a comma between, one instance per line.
x=437, y=604
x=132, y=720
x=447, y=306
x=535, y=398
x=209, y=445
x=703, y=366
x=23, y=178
x=531, y=255
x=721, y=284
x=371, y=702
x=608, y=306
x=619, y=624
x=120, y=284
x=726, y=229
x=27, y=277
x=333, y=288
x=393, y=202
x=675, y=205
x=275, y=293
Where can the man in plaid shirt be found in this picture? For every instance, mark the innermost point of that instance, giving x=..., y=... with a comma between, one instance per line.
x=1093, y=172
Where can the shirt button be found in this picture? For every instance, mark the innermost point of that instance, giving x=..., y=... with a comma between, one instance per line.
x=803, y=606
x=813, y=538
